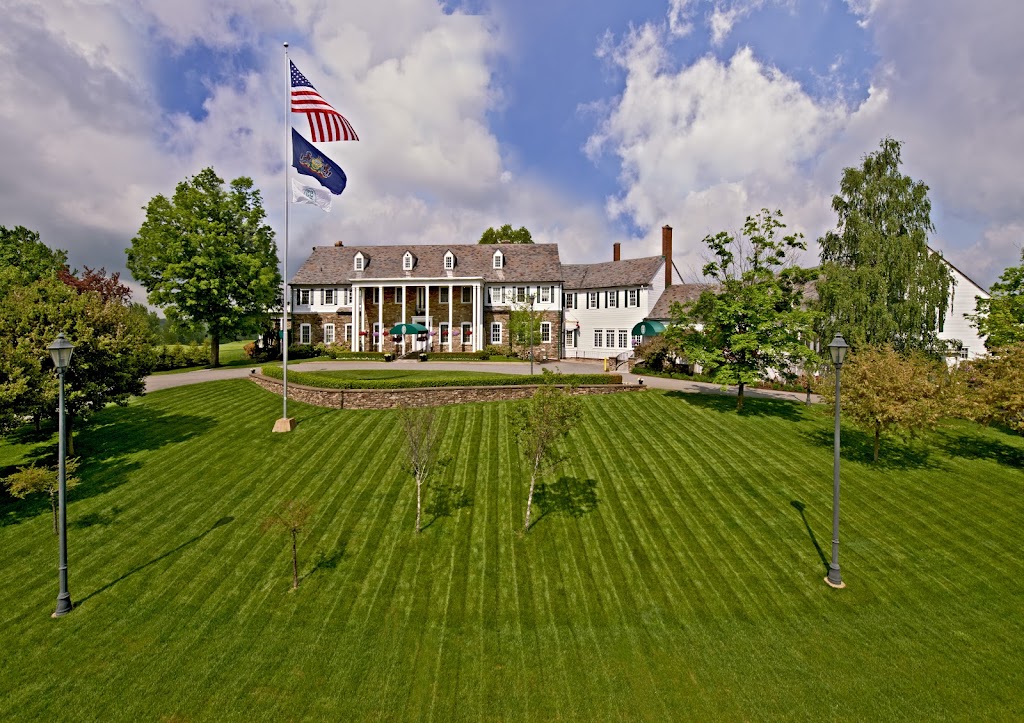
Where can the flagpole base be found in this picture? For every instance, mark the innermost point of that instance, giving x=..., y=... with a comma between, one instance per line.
x=284, y=424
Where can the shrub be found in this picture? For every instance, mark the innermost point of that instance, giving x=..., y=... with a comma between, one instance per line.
x=314, y=379
x=301, y=351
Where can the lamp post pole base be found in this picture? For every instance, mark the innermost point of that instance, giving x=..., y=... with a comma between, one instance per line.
x=837, y=585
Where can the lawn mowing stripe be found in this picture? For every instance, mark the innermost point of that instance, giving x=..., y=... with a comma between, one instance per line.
x=634, y=473
x=615, y=565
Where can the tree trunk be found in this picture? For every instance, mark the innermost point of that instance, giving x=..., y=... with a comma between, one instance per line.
x=877, y=433
x=739, y=398
x=418, y=506
x=295, y=560
x=214, y=349
x=529, y=505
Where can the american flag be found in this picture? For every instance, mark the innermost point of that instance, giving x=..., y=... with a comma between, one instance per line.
x=325, y=123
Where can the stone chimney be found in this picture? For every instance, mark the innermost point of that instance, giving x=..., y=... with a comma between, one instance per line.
x=666, y=251
x=616, y=251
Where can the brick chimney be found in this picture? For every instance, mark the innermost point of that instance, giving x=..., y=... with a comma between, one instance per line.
x=338, y=244
x=616, y=251
x=666, y=251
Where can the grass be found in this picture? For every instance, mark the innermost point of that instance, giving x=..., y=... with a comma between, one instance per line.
x=232, y=354
x=675, y=571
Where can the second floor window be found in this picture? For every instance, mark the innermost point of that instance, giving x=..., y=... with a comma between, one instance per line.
x=329, y=297
x=304, y=297
x=633, y=297
x=544, y=295
x=569, y=301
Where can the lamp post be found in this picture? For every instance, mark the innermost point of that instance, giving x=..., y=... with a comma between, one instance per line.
x=60, y=351
x=837, y=349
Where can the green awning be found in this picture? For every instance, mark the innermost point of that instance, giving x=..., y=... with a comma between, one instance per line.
x=648, y=328
x=403, y=329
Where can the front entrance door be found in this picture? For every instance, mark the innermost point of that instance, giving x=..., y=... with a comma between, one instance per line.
x=417, y=344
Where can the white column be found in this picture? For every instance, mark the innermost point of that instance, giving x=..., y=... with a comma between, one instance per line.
x=476, y=318
x=427, y=312
x=451, y=305
x=355, y=316
x=380, y=318
x=403, y=317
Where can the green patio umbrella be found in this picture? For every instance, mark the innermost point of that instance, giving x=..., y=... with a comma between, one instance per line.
x=403, y=329
x=648, y=328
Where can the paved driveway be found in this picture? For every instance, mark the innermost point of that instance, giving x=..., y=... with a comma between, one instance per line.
x=569, y=366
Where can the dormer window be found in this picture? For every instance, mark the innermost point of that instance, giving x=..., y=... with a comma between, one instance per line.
x=360, y=261
x=449, y=261
x=498, y=261
x=408, y=261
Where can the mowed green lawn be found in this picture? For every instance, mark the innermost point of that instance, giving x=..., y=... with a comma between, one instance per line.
x=673, y=574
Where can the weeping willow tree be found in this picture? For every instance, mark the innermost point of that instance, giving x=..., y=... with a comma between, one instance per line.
x=881, y=284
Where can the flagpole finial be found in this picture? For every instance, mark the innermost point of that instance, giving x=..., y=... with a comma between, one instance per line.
x=286, y=43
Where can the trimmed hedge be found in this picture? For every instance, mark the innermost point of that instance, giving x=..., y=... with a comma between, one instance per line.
x=312, y=379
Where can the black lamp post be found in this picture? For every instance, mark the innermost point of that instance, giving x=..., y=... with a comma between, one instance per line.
x=60, y=350
x=837, y=349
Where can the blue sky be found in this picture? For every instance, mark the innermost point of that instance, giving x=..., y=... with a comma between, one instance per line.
x=589, y=123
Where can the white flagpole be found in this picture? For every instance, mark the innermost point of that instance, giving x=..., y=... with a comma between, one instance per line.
x=287, y=202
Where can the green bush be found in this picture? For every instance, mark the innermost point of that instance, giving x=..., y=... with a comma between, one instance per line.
x=301, y=351
x=180, y=356
x=312, y=379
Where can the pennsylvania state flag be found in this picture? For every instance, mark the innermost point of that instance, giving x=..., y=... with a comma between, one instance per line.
x=311, y=162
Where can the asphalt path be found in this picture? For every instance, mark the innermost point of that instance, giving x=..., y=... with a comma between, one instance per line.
x=567, y=366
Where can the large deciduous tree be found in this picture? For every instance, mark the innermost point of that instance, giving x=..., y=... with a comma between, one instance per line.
x=24, y=258
x=885, y=391
x=206, y=256
x=881, y=284
x=506, y=235
x=1001, y=318
x=751, y=320
x=110, y=362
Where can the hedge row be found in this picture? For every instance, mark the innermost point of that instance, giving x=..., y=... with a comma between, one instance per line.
x=312, y=379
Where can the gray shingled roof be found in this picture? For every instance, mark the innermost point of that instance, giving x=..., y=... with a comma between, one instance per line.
x=523, y=262
x=682, y=293
x=609, y=274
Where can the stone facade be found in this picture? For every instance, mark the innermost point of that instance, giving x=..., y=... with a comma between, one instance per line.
x=417, y=397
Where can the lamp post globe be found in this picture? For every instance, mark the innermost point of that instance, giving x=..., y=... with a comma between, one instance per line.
x=837, y=350
x=60, y=351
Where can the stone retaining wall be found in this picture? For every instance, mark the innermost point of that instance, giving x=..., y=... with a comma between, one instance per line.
x=417, y=397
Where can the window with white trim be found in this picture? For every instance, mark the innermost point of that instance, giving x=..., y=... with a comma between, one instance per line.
x=544, y=294
x=359, y=262
x=375, y=331
x=964, y=353
x=623, y=339
x=375, y=296
x=304, y=333
x=442, y=295
x=449, y=260
x=421, y=298
x=570, y=337
x=613, y=299
x=345, y=298
x=303, y=297
x=467, y=294
x=569, y=301
x=348, y=332
x=496, y=332
x=592, y=300
x=442, y=330
x=545, y=332
x=329, y=297
x=509, y=294
x=610, y=338
x=521, y=294
x=398, y=294
x=637, y=341
x=498, y=260
x=633, y=297
x=328, y=333
x=407, y=261
x=598, y=338
x=467, y=328
x=494, y=295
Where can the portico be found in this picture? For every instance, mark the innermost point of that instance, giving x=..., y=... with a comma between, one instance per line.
x=451, y=308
